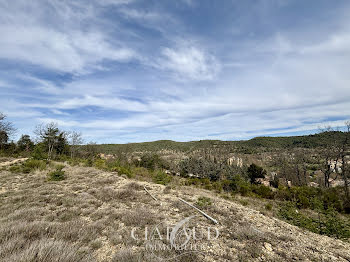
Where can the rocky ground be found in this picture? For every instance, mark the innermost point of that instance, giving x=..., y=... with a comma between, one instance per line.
x=89, y=216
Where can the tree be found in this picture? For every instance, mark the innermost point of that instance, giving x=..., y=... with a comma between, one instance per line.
x=75, y=140
x=204, y=168
x=335, y=160
x=62, y=146
x=298, y=168
x=25, y=143
x=91, y=150
x=54, y=139
x=6, y=130
x=3, y=138
x=255, y=172
x=345, y=172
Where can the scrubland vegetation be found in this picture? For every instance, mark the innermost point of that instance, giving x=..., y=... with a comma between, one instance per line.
x=69, y=201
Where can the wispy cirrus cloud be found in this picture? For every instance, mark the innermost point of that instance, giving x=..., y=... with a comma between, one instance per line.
x=63, y=44
x=126, y=71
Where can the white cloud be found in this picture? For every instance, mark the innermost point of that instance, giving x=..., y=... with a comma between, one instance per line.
x=141, y=15
x=29, y=35
x=103, y=102
x=115, y=2
x=181, y=89
x=190, y=62
x=335, y=43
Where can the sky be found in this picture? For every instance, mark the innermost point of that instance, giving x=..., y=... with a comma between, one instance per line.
x=123, y=71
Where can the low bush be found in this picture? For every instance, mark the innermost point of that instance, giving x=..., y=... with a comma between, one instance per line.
x=123, y=170
x=263, y=191
x=161, y=178
x=33, y=164
x=15, y=169
x=28, y=166
x=325, y=222
x=100, y=164
x=88, y=162
x=57, y=175
x=203, y=202
x=153, y=162
x=268, y=206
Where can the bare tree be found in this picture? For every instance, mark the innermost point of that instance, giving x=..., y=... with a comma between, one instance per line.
x=292, y=167
x=331, y=157
x=75, y=140
x=298, y=162
x=6, y=130
x=335, y=160
x=91, y=150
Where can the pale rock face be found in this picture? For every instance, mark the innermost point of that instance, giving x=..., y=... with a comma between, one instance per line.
x=265, y=183
x=235, y=160
x=273, y=175
x=106, y=157
x=335, y=166
x=313, y=184
x=335, y=183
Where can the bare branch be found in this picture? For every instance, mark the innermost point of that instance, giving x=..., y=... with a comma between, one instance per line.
x=200, y=211
x=150, y=193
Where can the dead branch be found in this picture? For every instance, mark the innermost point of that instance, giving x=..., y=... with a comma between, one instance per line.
x=149, y=193
x=200, y=211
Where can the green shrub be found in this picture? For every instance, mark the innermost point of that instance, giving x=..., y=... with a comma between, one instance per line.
x=239, y=185
x=100, y=164
x=218, y=186
x=161, y=178
x=28, y=166
x=290, y=213
x=123, y=170
x=26, y=170
x=153, y=162
x=57, y=175
x=33, y=164
x=244, y=189
x=304, y=197
x=334, y=225
x=254, y=172
x=15, y=169
x=262, y=191
x=39, y=152
x=203, y=202
x=226, y=185
x=88, y=162
x=283, y=193
x=331, y=197
x=327, y=222
x=268, y=206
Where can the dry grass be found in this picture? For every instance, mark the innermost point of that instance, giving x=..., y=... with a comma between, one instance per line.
x=128, y=255
x=89, y=217
x=68, y=220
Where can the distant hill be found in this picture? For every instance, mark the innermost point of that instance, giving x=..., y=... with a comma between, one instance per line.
x=245, y=146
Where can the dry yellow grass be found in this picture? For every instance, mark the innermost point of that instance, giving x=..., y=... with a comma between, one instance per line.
x=89, y=217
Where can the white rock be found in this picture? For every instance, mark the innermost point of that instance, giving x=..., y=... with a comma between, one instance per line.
x=268, y=246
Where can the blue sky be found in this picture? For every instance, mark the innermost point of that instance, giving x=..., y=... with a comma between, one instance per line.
x=129, y=70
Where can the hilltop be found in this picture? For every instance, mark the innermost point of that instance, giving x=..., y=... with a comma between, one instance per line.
x=257, y=144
